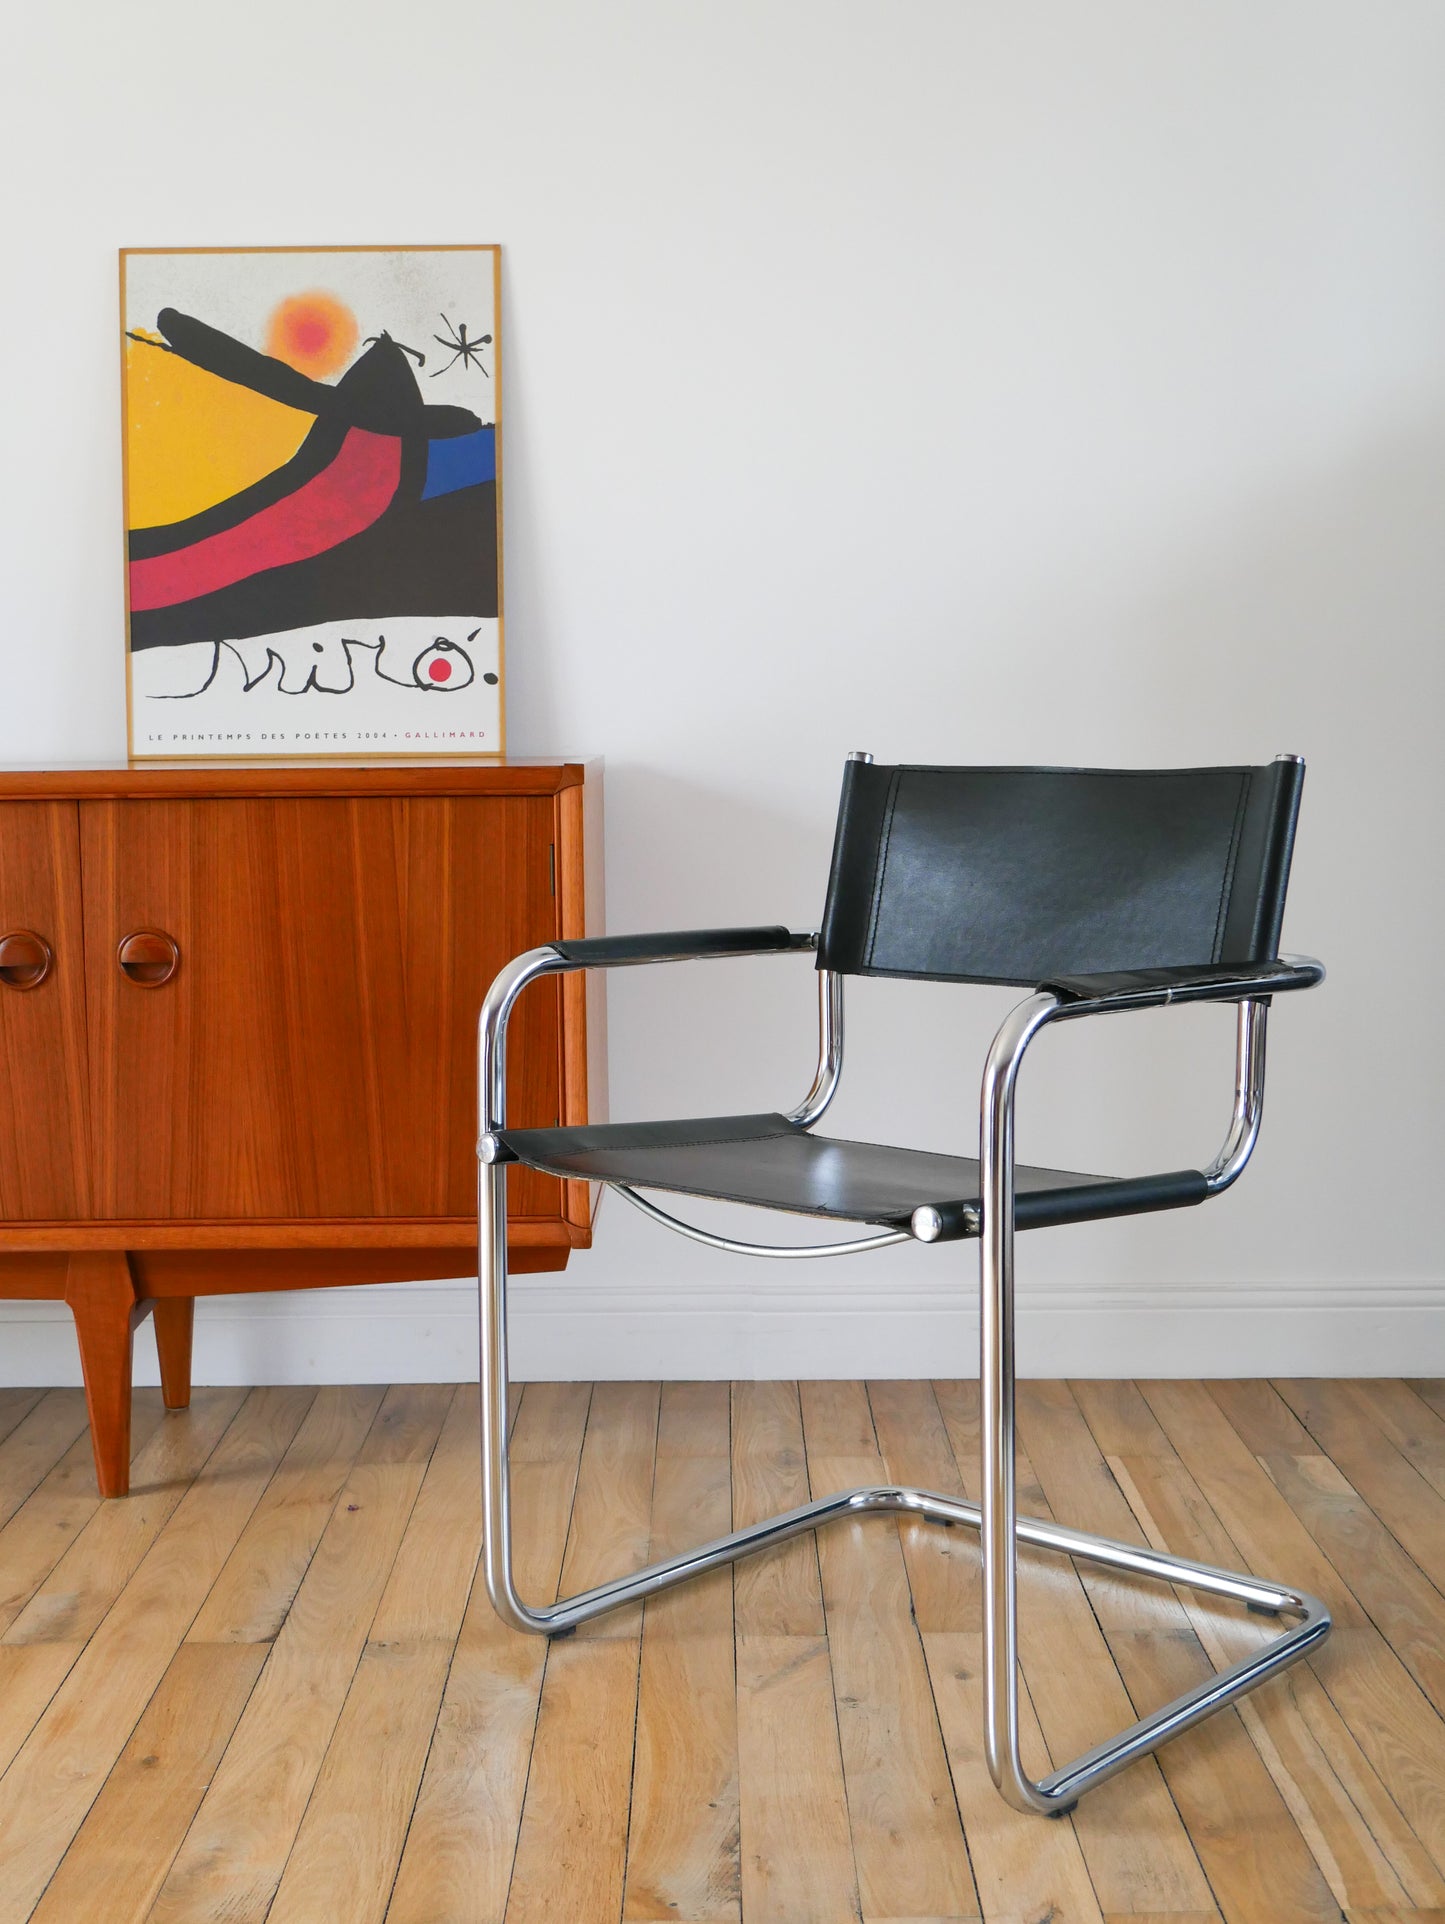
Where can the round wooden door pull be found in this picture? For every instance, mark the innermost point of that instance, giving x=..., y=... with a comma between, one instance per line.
x=25, y=959
x=149, y=957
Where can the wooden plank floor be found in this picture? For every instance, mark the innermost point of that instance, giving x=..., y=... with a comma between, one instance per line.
x=265, y=1685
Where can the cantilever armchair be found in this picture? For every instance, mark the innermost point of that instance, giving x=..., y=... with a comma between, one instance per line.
x=1100, y=891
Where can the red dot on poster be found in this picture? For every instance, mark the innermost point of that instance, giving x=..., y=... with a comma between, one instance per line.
x=440, y=670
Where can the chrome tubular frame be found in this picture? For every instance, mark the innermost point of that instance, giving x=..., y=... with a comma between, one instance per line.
x=1001, y=1527
x=830, y=1050
x=996, y=1519
x=1228, y=1165
x=783, y=1251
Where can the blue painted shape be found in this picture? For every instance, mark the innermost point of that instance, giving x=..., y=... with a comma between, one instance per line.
x=462, y=461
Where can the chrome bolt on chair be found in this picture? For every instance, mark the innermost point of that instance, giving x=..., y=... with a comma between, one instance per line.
x=1098, y=890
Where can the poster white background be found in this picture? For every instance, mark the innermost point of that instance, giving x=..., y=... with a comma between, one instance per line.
x=408, y=293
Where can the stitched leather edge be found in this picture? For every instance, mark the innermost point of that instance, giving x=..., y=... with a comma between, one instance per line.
x=661, y=1148
x=880, y=867
x=1231, y=860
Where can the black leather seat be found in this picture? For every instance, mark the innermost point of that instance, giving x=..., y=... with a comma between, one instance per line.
x=777, y=1164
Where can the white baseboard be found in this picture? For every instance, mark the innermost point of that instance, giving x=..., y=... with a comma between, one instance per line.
x=561, y=1330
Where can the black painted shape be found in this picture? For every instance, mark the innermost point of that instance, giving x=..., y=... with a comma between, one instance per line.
x=377, y=392
x=436, y=557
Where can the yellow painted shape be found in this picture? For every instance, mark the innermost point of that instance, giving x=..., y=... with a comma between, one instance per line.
x=193, y=439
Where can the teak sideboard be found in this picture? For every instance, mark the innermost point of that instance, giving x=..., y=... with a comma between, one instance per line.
x=238, y=1006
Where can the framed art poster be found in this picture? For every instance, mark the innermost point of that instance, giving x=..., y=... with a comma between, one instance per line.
x=313, y=534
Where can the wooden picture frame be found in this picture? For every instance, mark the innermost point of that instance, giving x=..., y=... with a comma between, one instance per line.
x=312, y=488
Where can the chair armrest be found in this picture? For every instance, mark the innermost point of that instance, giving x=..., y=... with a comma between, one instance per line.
x=1216, y=982
x=679, y=945
x=597, y=952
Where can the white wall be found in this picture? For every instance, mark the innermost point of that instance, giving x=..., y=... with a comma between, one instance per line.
x=958, y=381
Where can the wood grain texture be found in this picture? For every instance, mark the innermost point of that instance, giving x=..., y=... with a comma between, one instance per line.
x=30, y=1675
x=908, y=1847
x=352, y=1835
x=1395, y=1914
x=235, y=958
x=37, y=1276
x=1161, y=1917
x=177, y=1258
x=48, y=1790
x=570, y=1851
x=453, y=775
x=612, y=1513
x=1354, y=1829
x=86, y=1582
x=100, y=1294
x=235, y=1851
x=944, y=1574
x=250, y=1599
x=1394, y=1717
x=1025, y=1868
x=1341, y=1423
x=583, y=1005
x=174, y=1321
x=366, y=988
x=797, y=1857
x=1250, y=1849
x=457, y=1864
x=1430, y=1390
x=778, y=1594
x=1135, y=1846
x=571, y=1848
x=15, y=1406
x=42, y=1530
x=111, y=1873
x=32, y=1447
x=234, y=1695
x=1416, y=1430
x=683, y=1845
x=44, y=1124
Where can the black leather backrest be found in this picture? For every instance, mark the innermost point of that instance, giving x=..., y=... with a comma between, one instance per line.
x=1018, y=874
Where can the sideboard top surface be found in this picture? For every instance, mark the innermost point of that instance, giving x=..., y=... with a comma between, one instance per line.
x=453, y=775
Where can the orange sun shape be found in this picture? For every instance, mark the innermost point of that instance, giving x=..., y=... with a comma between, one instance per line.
x=314, y=333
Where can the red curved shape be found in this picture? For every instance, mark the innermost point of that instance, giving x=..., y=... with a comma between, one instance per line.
x=348, y=495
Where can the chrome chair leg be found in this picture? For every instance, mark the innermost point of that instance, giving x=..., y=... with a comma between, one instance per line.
x=1000, y=1528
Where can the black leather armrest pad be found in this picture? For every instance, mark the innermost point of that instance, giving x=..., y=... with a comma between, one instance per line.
x=678, y=945
x=1219, y=981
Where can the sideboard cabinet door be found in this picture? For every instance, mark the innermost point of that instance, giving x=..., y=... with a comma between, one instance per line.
x=282, y=1000
x=44, y=1175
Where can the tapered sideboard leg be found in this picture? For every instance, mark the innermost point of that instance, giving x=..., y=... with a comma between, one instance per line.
x=101, y=1295
x=174, y=1319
